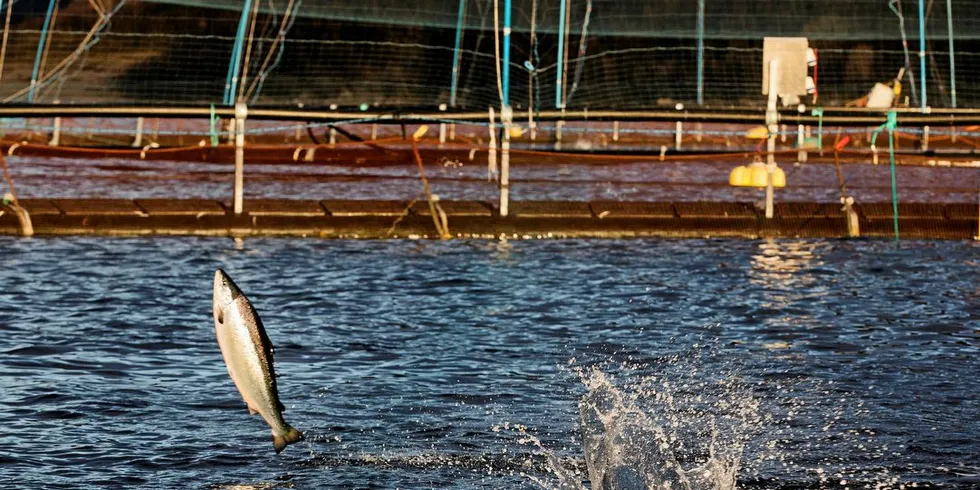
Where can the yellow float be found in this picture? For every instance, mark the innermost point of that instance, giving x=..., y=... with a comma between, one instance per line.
x=757, y=133
x=755, y=175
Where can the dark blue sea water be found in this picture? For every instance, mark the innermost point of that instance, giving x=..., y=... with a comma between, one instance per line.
x=792, y=363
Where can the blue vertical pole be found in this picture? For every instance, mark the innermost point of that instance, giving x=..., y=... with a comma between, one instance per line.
x=506, y=72
x=234, y=66
x=561, y=53
x=952, y=56
x=40, y=50
x=459, y=40
x=922, y=51
x=700, y=52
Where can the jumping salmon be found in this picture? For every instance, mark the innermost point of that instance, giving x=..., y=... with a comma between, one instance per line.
x=248, y=354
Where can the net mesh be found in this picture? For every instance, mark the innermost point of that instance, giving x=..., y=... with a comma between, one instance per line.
x=620, y=54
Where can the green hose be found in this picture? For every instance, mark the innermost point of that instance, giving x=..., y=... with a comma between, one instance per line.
x=214, y=127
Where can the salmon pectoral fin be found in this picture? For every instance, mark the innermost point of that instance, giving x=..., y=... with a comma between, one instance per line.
x=282, y=408
x=251, y=411
x=280, y=442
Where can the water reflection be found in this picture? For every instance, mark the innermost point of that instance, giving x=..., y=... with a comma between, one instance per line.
x=784, y=269
x=786, y=272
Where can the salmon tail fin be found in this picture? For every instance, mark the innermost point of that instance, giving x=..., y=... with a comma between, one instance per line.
x=280, y=442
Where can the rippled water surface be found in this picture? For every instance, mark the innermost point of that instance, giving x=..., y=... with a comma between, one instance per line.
x=689, y=180
x=462, y=364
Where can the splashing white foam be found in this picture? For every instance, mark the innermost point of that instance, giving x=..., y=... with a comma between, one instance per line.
x=678, y=427
x=691, y=421
x=670, y=433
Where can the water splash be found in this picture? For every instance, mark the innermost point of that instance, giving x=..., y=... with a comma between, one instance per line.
x=678, y=427
x=696, y=421
x=568, y=474
x=626, y=448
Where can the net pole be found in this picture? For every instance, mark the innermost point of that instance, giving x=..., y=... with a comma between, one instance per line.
x=561, y=52
x=459, y=42
x=532, y=71
x=701, y=52
x=952, y=55
x=922, y=52
x=505, y=96
x=40, y=50
x=506, y=116
x=234, y=65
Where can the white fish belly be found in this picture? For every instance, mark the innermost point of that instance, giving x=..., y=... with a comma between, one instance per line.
x=245, y=368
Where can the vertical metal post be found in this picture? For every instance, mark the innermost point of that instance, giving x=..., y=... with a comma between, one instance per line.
x=506, y=62
x=459, y=40
x=922, y=52
x=700, y=52
x=507, y=117
x=558, y=128
x=801, y=154
x=492, y=153
x=138, y=138
x=234, y=66
x=773, y=124
x=56, y=134
x=561, y=53
x=442, y=126
x=241, y=112
x=952, y=55
x=532, y=72
x=40, y=50
x=231, y=131
x=891, y=157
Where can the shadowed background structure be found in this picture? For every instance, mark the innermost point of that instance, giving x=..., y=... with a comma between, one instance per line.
x=617, y=54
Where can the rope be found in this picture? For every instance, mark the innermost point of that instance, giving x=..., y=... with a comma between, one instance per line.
x=9, y=179
x=91, y=39
x=6, y=33
x=496, y=49
x=248, y=49
x=47, y=43
x=580, y=63
x=97, y=7
x=443, y=231
x=287, y=23
x=896, y=7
